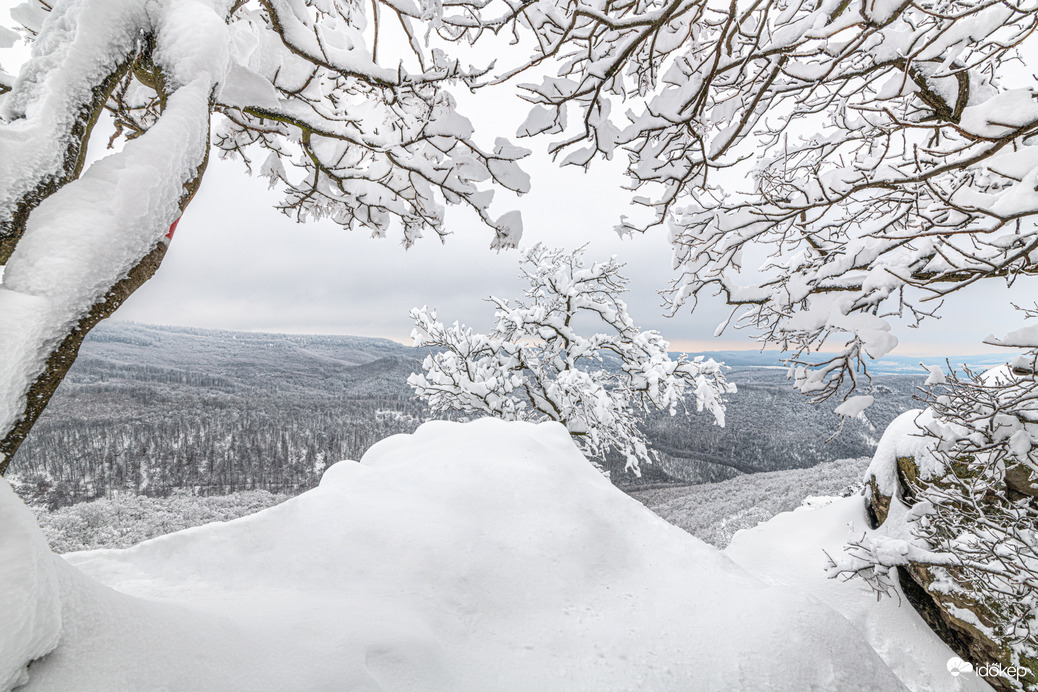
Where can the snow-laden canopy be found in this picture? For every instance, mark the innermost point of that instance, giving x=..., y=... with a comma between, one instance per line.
x=875, y=156
x=483, y=556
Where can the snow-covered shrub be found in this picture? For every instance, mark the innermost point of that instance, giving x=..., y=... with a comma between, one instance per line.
x=535, y=365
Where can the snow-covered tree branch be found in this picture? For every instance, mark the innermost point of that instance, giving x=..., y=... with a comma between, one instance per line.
x=536, y=364
x=881, y=153
x=342, y=105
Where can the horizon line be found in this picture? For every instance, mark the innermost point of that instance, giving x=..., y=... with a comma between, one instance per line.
x=686, y=346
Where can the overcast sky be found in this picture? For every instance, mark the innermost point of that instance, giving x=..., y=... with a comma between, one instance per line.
x=236, y=263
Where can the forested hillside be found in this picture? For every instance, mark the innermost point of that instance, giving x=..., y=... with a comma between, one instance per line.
x=151, y=409
x=770, y=427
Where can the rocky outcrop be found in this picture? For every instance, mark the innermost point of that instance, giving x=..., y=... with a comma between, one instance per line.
x=1019, y=483
x=962, y=621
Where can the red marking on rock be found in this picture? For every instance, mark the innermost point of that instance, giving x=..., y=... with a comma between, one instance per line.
x=172, y=229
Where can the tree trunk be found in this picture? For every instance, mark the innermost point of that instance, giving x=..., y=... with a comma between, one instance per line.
x=61, y=357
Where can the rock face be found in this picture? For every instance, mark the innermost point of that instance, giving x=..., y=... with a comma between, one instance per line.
x=964, y=623
x=1019, y=483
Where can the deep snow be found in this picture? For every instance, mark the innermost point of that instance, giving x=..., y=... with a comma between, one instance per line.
x=484, y=556
x=787, y=550
x=30, y=606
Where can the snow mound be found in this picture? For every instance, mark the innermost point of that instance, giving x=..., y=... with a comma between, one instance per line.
x=488, y=556
x=30, y=608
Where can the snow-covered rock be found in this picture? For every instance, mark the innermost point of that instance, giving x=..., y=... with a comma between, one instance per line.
x=487, y=556
x=919, y=465
x=788, y=549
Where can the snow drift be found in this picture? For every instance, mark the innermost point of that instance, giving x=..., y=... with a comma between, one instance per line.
x=30, y=614
x=485, y=556
x=787, y=549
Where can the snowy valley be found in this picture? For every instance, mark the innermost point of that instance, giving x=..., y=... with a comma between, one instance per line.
x=152, y=410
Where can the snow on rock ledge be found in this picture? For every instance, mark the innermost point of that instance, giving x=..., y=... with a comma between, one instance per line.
x=788, y=549
x=30, y=608
x=488, y=556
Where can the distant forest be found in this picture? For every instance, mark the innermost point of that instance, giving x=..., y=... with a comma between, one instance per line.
x=152, y=410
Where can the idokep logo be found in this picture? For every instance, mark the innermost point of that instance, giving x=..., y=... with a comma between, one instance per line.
x=956, y=666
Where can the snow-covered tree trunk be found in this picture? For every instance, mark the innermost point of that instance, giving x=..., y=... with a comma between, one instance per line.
x=76, y=244
x=349, y=140
x=60, y=358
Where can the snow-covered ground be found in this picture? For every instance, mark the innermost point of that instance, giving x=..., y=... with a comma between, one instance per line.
x=487, y=556
x=788, y=550
x=713, y=512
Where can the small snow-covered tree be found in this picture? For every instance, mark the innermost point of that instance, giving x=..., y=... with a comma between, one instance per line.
x=343, y=104
x=536, y=365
